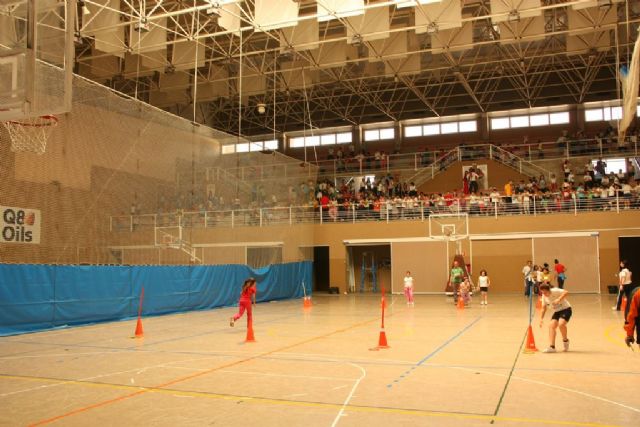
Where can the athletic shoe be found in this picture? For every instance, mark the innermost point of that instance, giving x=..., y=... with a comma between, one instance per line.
x=614, y=308
x=565, y=344
x=231, y=322
x=549, y=350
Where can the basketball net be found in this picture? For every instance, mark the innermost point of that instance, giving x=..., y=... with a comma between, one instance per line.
x=30, y=134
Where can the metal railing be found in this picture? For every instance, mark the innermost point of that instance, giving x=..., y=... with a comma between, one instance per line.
x=387, y=210
x=430, y=163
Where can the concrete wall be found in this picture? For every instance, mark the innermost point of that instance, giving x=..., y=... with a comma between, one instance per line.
x=609, y=225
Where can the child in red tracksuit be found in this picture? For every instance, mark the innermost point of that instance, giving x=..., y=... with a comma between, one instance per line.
x=248, y=294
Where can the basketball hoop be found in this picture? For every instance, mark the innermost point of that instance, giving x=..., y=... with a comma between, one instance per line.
x=30, y=134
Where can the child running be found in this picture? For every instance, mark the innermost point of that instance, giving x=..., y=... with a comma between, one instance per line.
x=557, y=299
x=408, y=288
x=248, y=294
x=483, y=282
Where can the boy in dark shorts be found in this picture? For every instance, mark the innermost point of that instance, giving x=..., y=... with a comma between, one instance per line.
x=556, y=298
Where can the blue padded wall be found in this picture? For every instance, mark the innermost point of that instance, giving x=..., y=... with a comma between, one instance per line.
x=37, y=297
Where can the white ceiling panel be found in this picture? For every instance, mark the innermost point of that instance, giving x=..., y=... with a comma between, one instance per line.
x=273, y=14
x=500, y=9
x=453, y=40
x=373, y=25
x=443, y=16
x=184, y=55
x=334, y=9
x=304, y=36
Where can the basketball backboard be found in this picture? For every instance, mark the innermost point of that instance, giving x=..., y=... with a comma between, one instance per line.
x=36, y=57
x=449, y=227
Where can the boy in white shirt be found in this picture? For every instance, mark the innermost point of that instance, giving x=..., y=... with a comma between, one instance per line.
x=556, y=298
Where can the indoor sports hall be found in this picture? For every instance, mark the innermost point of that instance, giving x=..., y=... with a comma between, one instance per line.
x=319, y=212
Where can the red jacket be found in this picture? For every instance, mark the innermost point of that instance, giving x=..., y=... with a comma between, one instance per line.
x=632, y=316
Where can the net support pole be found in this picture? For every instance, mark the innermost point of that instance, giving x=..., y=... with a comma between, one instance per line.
x=70, y=50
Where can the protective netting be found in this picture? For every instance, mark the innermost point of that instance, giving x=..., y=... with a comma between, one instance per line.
x=30, y=135
x=116, y=168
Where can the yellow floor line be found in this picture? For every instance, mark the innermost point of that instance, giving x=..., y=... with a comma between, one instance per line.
x=293, y=403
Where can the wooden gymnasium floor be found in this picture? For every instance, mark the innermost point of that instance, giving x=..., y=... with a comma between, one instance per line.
x=445, y=367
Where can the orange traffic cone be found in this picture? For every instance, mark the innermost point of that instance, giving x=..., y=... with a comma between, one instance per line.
x=139, y=331
x=306, y=302
x=530, y=346
x=250, y=337
x=623, y=306
x=460, y=303
x=382, y=340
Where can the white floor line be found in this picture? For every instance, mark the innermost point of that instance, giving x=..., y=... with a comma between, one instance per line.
x=266, y=374
x=569, y=390
x=95, y=377
x=348, y=399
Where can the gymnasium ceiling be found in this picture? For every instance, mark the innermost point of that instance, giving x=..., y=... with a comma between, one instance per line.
x=331, y=63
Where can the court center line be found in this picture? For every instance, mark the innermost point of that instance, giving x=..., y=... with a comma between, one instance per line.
x=434, y=352
x=506, y=384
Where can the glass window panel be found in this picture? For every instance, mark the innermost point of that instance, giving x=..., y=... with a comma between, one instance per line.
x=411, y=131
x=519, y=121
x=500, y=123
x=255, y=146
x=614, y=165
x=449, y=127
x=242, y=148
x=616, y=113
x=271, y=145
x=388, y=133
x=228, y=149
x=468, y=126
x=539, y=120
x=606, y=113
x=297, y=142
x=328, y=139
x=431, y=130
x=593, y=115
x=371, y=135
x=559, y=118
x=343, y=138
x=312, y=141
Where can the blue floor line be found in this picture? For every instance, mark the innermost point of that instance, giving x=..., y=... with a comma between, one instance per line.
x=437, y=350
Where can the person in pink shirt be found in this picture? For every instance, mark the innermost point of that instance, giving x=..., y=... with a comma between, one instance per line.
x=247, y=296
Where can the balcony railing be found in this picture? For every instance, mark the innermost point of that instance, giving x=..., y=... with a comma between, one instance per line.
x=388, y=210
x=385, y=163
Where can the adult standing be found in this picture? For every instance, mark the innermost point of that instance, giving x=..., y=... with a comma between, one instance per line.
x=624, y=285
x=528, y=281
x=560, y=273
x=473, y=180
x=455, y=278
x=556, y=299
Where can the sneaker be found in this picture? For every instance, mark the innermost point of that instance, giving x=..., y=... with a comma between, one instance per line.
x=231, y=322
x=565, y=344
x=549, y=350
x=614, y=308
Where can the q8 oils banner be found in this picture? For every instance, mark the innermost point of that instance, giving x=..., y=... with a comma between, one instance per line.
x=19, y=225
